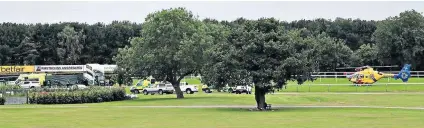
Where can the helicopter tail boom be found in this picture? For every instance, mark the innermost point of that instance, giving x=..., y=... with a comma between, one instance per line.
x=404, y=74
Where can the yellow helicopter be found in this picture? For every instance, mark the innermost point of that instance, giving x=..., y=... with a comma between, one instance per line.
x=367, y=75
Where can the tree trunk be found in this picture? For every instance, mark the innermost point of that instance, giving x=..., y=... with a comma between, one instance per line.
x=260, y=97
x=180, y=94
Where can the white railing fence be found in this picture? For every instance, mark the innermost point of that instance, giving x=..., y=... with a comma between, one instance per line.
x=417, y=74
x=341, y=84
x=376, y=87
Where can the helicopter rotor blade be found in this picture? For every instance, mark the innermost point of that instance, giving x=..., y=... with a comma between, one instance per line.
x=369, y=66
x=386, y=66
x=346, y=67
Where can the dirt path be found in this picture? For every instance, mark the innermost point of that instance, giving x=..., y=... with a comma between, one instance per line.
x=203, y=106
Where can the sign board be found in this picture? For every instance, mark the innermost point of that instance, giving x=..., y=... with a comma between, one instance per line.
x=109, y=68
x=16, y=69
x=59, y=68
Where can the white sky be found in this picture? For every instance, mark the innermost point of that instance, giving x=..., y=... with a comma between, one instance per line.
x=136, y=11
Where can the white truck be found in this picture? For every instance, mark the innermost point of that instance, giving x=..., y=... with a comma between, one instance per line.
x=29, y=84
x=189, y=89
x=159, y=88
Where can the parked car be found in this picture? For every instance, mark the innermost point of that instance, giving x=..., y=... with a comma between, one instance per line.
x=243, y=89
x=240, y=89
x=206, y=89
x=159, y=88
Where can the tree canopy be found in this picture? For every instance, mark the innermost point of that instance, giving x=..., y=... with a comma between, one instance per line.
x=393, y=39
x=171, y=46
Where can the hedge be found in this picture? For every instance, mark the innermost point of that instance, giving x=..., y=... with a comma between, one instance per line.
x=88, y=95
x=9, y=87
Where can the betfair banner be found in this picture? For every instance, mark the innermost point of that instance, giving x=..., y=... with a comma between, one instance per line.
x=16, y=69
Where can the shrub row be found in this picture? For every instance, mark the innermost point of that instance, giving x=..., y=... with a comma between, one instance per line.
x=88, y=95
x=9, y=87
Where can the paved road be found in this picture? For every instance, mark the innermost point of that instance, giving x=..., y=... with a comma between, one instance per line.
x=204, y=106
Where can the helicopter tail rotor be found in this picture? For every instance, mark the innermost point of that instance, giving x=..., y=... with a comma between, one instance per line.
x=404, y=74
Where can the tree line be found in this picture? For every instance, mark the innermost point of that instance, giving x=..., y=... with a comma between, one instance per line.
x=393, y=41
x=63, y=43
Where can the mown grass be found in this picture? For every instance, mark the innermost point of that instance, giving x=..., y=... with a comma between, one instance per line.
x=404, y=100
x=388, y=100
x=109, y=115
x=208, y=118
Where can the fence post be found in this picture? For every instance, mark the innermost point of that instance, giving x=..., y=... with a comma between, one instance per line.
x=368, y=87
x=309, y=85
x=27, y=96
x=297, y=88
x=356, y=86
x=406, y=88
x=386, y=87
x=337, y=78
x=328, y=88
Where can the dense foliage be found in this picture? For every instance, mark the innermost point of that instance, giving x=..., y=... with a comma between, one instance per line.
x=89, y=95
x=63, y=43
x=171, y=46
x=9, y=87
x=372, y=42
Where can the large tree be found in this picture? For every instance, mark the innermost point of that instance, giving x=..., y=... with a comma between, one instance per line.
x=218, y=68
x=266, y=54
x=367, y=54
x=70, y=48
x=400, y=39
x=28, y=51
x=171, y=47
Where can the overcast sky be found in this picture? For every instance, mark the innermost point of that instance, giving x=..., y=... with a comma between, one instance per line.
x=96, y=11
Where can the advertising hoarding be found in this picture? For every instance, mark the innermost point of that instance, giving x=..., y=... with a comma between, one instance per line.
x=59, y=68
x=16, y=69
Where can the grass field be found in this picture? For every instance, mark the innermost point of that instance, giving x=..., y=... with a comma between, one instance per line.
x=134, y=114
x=209, y=118
x=404, y=100
x=111, y=115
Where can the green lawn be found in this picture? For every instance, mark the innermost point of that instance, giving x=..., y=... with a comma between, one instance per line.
x=110, y=115
x=404, y=100
x=209, y=118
